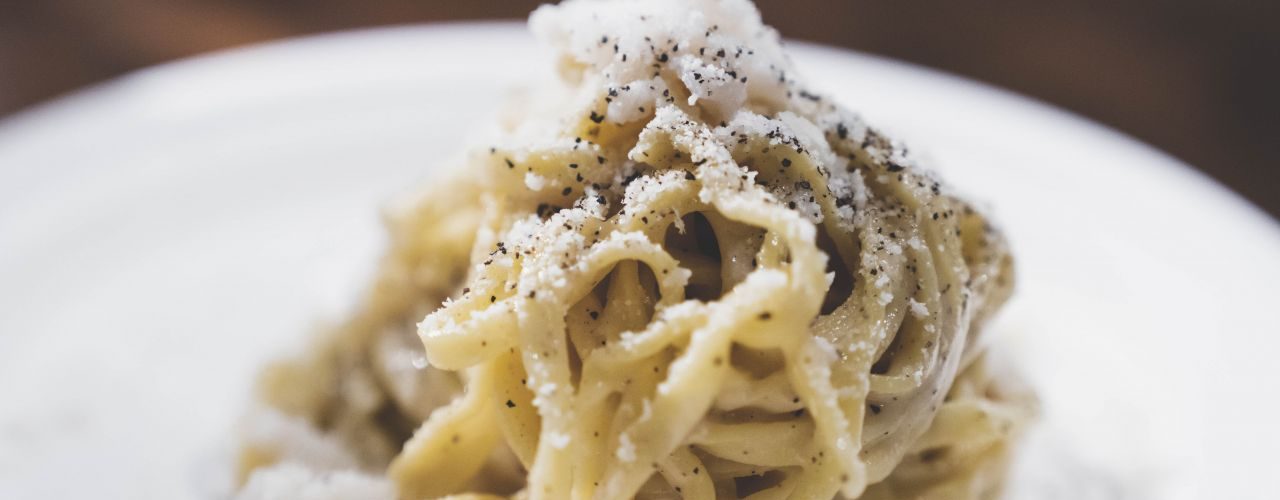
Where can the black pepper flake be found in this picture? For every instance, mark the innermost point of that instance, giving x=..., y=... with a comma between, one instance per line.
x=765, y=316
x=604, y=39
x=509, y=163
x=600, y=160
x=466, y=291
x=798, y=413
x=894, y=167
x=662, y=57
x=510, y=404
x=493, y=298
x=544, y=210
x=566, y=191
x=579, y=178
x=688, y=175
x=875, y=408
x=842, y=131
x=786, y=162
x=720, y=53
x=596, y=117
x=594, y=314
x=933, y=454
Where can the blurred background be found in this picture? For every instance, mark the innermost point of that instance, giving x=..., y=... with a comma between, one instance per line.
x=1197, y=78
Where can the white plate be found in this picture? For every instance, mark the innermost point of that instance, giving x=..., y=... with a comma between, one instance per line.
x=163, y=235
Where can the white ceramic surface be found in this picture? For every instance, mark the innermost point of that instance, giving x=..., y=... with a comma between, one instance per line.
x=163, y=235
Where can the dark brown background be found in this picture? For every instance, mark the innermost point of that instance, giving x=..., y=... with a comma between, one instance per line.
x=1197, y=78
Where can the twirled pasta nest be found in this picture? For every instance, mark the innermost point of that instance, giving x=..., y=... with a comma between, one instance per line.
x=691, y=276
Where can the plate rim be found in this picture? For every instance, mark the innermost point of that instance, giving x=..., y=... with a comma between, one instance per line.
x=117, y=86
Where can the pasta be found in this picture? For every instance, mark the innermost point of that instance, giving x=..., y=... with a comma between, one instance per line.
x=679, y=273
